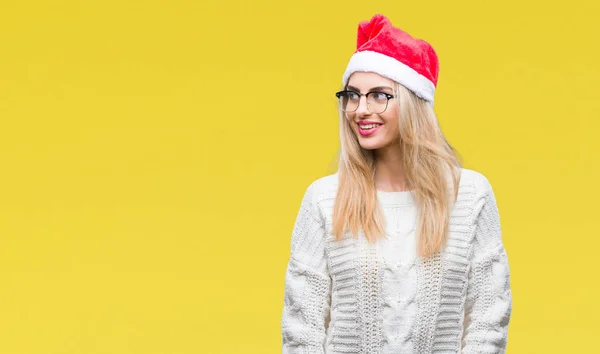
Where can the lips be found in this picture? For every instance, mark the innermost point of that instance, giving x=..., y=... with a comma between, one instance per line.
x=366, y=128
x=365, y=122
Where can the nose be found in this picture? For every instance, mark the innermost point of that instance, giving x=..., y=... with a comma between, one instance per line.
x=362, y=108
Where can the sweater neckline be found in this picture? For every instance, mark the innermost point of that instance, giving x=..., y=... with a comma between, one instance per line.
x=396, y=198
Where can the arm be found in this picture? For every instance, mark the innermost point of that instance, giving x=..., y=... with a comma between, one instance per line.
x=488, y=305
x=307, y=284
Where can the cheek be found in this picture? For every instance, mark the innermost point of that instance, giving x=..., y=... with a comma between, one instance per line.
x=391, y=132
x=391, y=122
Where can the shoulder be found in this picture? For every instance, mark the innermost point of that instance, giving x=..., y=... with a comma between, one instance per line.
x=487, y=235
x=319, y=190
x=476, y=189
x=475, y=183
x=323, y=188
x=484, y=209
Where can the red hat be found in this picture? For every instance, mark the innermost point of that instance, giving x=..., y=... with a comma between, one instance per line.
x=388, y=51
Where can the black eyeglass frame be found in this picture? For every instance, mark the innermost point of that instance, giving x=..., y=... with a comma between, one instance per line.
x=339, y=94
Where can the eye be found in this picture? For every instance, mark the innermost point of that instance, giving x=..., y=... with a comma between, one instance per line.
x=379, y=96
x=352, y=95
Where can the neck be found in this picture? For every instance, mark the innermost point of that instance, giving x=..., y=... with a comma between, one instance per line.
x=389, y=170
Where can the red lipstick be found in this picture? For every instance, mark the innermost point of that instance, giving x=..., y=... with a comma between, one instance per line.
x=370, y=130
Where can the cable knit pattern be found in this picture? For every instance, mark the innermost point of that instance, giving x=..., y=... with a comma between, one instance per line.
x=350, y=296
x=399, y=288
x=307, y=284
x=489, y=300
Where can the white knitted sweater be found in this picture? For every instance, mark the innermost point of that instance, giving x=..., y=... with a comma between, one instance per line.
x=350, y=296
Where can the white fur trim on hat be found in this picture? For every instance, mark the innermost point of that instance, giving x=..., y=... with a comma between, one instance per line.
x=391, y=68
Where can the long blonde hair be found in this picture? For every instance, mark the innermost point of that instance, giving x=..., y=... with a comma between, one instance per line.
x=429, y=162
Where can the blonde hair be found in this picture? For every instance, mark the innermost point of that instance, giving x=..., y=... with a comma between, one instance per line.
x=432, y=173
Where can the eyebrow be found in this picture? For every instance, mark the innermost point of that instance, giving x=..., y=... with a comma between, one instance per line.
x=378, y=88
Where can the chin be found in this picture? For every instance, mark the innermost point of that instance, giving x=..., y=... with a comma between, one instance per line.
x=377, y=141
x=370, y=145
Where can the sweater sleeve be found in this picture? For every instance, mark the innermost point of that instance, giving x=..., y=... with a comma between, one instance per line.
x=307, y=294
x=488, y=304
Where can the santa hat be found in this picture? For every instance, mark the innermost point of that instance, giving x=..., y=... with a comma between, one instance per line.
x=388, y=51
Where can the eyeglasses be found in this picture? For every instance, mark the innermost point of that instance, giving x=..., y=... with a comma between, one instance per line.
x=377, y=102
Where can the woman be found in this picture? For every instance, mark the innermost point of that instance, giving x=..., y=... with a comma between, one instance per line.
x=399, y=251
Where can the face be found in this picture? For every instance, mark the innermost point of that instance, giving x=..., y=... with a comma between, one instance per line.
x=374, y=130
